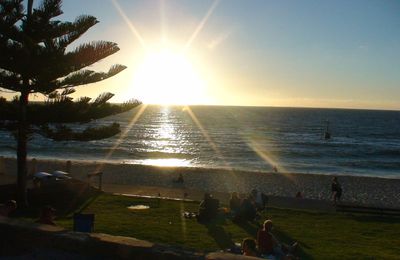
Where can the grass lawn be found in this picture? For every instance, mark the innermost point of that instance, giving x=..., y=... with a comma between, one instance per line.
x=320, y=235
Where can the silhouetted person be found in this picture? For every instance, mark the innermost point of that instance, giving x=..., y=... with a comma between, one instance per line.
x=249, y=247
x=234, y=203
x=179, y=179
x=259, y=199
x=269, y=245
x=7, y=208
x=336, y=190
x=208, y=208
x=248, y=210
x=47, y=216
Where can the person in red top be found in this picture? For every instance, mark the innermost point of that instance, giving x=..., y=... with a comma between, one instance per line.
x=249, y=247
x=269, y=245
x=265, y=240
x=47, y=216
x=9, y=207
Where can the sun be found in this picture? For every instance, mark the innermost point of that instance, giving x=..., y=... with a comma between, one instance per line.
x=168, y=77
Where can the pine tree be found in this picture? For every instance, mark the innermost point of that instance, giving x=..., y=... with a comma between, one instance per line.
x=34, y=59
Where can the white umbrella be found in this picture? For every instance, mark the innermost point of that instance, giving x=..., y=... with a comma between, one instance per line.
x=42, y=175
x=61, y=175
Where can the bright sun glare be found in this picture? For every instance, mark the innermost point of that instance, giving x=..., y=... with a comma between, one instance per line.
x=166, y=77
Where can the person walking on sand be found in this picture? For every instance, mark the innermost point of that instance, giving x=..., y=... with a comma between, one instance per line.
x=336, y=190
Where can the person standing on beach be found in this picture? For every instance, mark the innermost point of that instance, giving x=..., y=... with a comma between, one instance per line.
x=336, y=190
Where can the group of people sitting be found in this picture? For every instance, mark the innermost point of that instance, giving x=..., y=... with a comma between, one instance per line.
x=47, y=213
x=246, y=209
x=241, y=209
x=267, y=245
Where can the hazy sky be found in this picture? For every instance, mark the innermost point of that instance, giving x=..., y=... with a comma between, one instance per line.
x=264, y=53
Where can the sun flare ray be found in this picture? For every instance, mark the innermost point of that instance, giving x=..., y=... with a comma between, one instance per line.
x=129, y=23
x=201, y=25
x=268, y=158
x=163, y=22
x=214, y=147
x=123, y=135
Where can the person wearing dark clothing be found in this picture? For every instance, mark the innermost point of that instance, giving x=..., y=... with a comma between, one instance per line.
x=259, y=199
x=208, y=208
x=248, y=210
x=336, y=190
x=234, y=203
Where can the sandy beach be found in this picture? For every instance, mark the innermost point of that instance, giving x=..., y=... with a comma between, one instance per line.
x=150, y=180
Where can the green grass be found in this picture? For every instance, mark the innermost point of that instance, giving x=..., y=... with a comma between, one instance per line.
x=321, y=235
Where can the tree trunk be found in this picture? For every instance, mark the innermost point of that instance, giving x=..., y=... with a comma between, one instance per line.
x=22, y=151
x=30, y=5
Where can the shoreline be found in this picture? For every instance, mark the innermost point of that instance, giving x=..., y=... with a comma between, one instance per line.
x=197, y=168
x=361, y=190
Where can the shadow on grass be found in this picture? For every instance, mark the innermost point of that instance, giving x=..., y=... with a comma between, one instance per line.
x=65, y=197
x=223, y=239
x=216, y=230
x=374, y=218
x=251, y=228
x=283, y=237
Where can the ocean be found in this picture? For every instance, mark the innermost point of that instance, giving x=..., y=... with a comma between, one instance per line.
x=266, y=139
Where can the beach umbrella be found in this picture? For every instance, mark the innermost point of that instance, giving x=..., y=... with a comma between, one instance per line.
x=61, y=175
x=42, y=175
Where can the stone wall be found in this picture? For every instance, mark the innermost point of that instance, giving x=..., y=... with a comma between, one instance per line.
x=19, y=238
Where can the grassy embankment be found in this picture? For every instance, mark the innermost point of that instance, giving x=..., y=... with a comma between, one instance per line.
x=321, y=235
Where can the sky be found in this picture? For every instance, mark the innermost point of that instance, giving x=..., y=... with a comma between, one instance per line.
x=308, y=53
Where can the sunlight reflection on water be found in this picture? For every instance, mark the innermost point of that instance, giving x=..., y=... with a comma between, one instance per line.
x=166, y=137
x=162, y=162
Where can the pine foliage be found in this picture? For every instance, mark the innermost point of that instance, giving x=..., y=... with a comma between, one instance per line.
x=34, y=50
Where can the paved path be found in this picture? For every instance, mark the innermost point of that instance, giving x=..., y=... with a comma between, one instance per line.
x=197, y=195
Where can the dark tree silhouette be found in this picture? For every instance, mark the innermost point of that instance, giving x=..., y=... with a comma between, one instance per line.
x=49, y=118
x=34, y=59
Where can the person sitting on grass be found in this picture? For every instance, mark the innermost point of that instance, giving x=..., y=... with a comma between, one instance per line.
x=47, y=216
x=269, y=245
x=248, y=211
x=208, y=208
x=9, y=207
x=249, y=247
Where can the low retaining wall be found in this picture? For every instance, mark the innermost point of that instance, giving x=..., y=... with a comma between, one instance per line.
x=19, y=238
